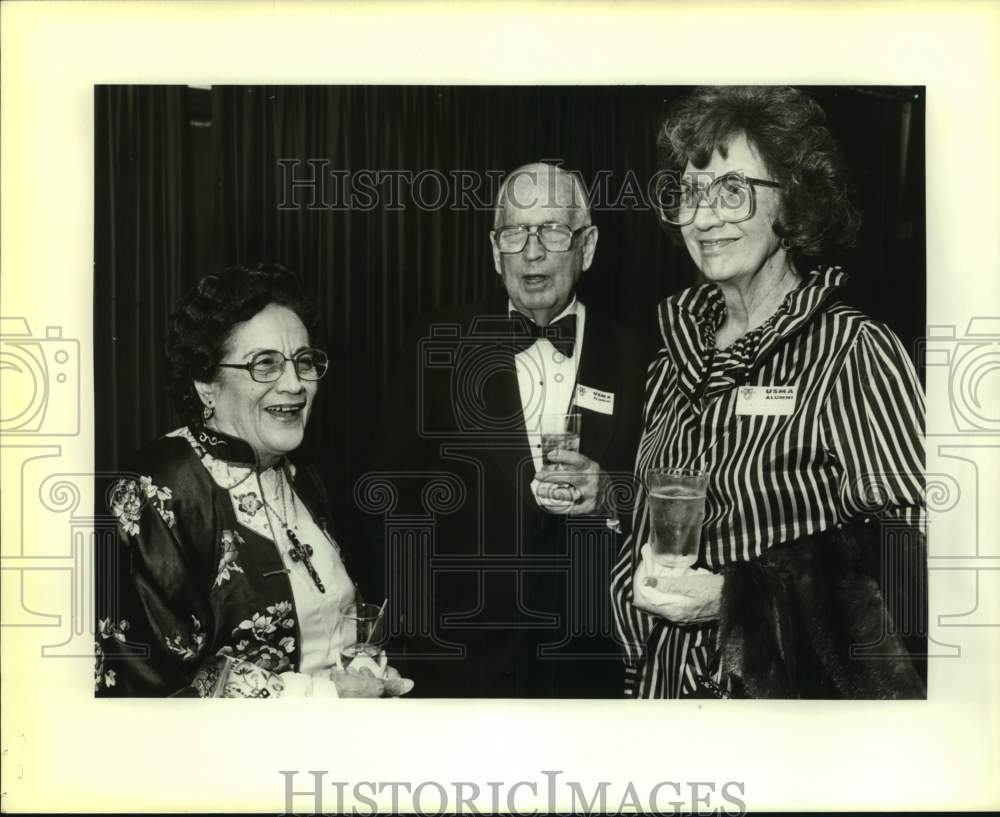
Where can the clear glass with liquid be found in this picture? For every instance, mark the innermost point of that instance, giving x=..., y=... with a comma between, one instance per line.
x=676, y=501
x=362, y=636
x=562, y=432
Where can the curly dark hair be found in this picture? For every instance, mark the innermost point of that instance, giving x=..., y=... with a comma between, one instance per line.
x=203, y=320
x=788, y=130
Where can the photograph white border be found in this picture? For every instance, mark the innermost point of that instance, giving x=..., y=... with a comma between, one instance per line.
x=64, y=750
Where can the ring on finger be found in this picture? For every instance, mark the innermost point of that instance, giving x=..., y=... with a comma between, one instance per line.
x=563, y=492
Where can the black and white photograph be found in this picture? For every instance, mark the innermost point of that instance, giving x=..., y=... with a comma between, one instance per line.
x=493, y=299
x=558, y=408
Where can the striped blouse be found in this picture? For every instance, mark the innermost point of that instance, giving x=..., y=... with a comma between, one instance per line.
x=851, y=446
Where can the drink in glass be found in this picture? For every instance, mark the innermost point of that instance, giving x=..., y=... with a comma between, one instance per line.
x=358, y=649
x=362, y=636
x=676, y=500
x=559, y=431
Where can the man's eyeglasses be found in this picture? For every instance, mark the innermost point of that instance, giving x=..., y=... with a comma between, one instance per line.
x=731, y=196
x=555, y=237
x=266, y=367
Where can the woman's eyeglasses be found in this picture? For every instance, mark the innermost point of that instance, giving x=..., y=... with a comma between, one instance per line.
x=555, y=237
x=266, y=367
x=731, y=196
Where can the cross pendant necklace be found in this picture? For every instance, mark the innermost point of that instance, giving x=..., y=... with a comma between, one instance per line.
x=299, y=551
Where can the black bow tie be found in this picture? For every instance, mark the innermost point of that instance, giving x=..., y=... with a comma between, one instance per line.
x=560, y=333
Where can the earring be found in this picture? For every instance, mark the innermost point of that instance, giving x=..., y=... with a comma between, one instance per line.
x=785, y=244
x=207, y=412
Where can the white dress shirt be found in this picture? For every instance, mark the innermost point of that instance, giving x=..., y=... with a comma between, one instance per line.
x=547, y=379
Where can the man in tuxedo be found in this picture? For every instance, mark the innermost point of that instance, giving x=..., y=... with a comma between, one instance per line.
x=498, y=562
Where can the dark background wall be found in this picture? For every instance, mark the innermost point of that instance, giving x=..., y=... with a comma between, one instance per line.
x=188, y=180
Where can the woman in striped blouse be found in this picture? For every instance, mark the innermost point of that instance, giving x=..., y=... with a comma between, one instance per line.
x=786, y=595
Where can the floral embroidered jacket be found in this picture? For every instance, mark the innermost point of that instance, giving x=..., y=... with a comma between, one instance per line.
x=194, y=572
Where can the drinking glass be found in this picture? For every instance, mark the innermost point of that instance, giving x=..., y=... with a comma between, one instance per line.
x=559, y=431
x=362, y=635
x=676, y=501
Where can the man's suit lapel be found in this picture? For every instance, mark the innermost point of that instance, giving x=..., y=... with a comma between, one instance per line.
x=601, y=368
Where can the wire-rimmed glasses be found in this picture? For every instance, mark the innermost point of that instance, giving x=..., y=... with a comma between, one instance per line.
x=268, y=366
x=731, y=196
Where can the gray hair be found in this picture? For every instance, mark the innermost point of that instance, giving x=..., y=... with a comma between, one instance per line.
x=577, y=201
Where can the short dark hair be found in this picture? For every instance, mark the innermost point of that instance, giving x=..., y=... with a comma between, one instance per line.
x=788, y=130
x=204, y=318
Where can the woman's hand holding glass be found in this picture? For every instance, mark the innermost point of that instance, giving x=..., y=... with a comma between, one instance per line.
x=691, y=597
x=363, y=670
x=375, y=681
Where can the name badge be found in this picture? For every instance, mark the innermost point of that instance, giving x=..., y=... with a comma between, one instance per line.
x=602, y=402
x=769, y=400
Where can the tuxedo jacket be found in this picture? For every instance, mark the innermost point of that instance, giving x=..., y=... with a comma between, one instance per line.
x=493, y=596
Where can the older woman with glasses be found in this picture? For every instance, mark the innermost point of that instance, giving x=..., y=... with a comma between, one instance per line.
x=225, y=545
x=796, y=419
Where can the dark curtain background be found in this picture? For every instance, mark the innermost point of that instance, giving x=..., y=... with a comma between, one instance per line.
x=143, y=256
x=189, y=179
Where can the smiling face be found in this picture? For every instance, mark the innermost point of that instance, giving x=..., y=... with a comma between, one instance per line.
x=735, y=253
x=541, y=283
x=270, y=416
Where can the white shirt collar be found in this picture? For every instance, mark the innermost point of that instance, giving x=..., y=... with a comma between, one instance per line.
x=569, y=310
